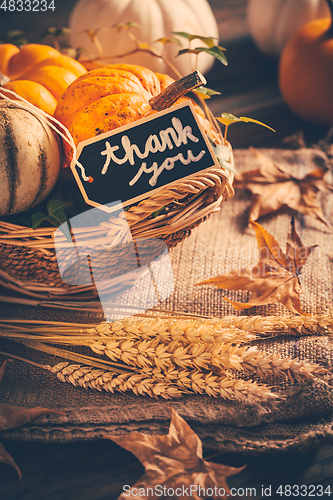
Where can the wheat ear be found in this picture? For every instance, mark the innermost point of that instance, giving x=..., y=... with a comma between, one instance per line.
x=167, y=385
x=281, y=325
x=167, y=344
x=171, y=356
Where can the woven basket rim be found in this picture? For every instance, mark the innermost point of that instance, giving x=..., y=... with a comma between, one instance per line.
x=184, y=205
x=139, y=219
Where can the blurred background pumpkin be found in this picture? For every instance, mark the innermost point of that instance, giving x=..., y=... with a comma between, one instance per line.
x=154, y=18
x=299, y=35
x=273, y=22
x=306, y=71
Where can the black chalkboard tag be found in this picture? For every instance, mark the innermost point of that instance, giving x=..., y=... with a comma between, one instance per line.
x=132, y=162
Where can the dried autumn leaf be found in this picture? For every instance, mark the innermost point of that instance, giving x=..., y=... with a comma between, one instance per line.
x=276, y=276
x=174, y=462
x=273, y=187
x=15, y=416
x=228, y=119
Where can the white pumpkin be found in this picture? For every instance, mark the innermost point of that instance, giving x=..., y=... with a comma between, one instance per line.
x=29, y=159
x=273, y=22
x=156, y=19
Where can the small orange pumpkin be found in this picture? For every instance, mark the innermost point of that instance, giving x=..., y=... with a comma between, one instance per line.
x=38, y=73
x=110, y=97
x=306, y=71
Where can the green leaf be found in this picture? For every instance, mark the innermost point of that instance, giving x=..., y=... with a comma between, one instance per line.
x=15, y=37
x=71, y=193
x=227, y=119
x=56, y=32
x=55, y=215
x=23, y=219
x=166, y=40
x=215, y=51
x=205, y=93
x=208, y=40
x=222, y=154
x=157, y=212
x=93, y=33
x=37, y=218
x=80, y=51
x=70, y=52
x=64, y=201
x=55, y=208
x=126, y=26
x=183, y=34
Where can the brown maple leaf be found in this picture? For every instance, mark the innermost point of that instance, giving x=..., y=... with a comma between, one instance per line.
x=273, y=187
x=174, y=466
x=14, y=416
x=275, y=278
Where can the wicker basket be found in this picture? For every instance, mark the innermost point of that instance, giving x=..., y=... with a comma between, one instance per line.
x=28, y=260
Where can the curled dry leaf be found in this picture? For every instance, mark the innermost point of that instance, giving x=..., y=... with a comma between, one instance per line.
x=276, y=276
x=174, y=461
x=15, y=416
x=273, y=187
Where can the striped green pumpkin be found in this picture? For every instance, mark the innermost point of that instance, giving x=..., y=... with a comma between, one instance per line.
x=29, y=159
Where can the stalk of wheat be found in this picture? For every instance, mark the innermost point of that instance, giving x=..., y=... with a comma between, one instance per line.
x=170, y=356
x=154, y=383
x=191, y=344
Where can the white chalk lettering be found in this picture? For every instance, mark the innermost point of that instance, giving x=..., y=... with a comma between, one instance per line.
x=183, y=134
x=109, y=155
x=178, y=134
x=168, y=164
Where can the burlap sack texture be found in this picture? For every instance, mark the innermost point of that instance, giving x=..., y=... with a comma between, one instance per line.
x=301, y=420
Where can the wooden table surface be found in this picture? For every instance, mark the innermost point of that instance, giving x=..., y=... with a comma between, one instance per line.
x=97, y=470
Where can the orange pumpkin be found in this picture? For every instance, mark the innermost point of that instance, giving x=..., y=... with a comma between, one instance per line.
x=306, y=72
x=38, y=73
x=110, y=97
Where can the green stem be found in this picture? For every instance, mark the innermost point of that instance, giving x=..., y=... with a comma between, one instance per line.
x=56, y=43
x=225, y=132
x=94, y=39
x=98, y=46
x=211, y=118
x=330, y=6
x=138, y=48
x=191, y=58
x=134, y=51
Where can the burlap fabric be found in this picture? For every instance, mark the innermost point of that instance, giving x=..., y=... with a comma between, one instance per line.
x=302, y=419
